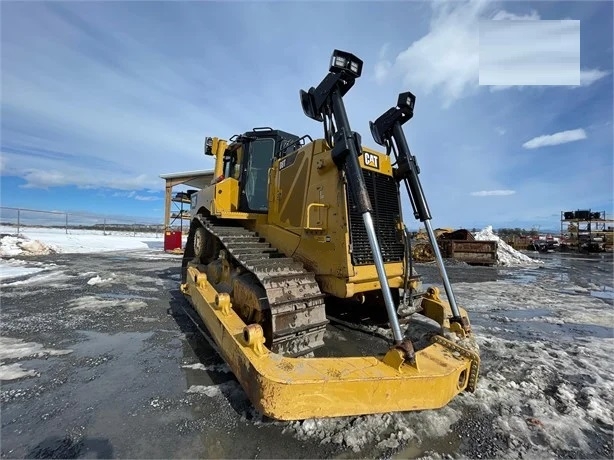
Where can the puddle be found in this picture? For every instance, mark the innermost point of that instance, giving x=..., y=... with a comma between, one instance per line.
x=529, y=324
x=607, y=293
x=97, y=343
x=522, y=277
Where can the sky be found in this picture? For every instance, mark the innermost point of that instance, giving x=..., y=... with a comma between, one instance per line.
x=100, y=98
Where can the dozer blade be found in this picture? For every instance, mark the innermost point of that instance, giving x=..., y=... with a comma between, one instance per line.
x=285, y=388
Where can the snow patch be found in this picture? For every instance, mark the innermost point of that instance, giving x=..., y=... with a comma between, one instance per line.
x=11, y=268
x=214, y=390
x=130, y=279
x=558, y=390
x=211, y=368
x=498, y=298
x=98, y=280
x=11, y=348
x=43, y=278
x=388, y=430
x=93, y=303
x=506, y=254
x=15, y=371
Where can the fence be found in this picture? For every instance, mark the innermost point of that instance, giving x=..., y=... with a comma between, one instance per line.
x=21, y=218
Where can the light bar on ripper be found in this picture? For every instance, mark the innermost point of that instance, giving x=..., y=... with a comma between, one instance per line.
x=342, y=60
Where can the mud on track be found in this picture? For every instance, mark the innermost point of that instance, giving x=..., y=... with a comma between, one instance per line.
x=101, y=362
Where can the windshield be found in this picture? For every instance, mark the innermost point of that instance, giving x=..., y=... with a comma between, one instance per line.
x=261, y=154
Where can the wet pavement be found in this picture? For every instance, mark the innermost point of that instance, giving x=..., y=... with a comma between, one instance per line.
x=119, y=371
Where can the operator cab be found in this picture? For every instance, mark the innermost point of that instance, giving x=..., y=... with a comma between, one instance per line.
x=248, y=159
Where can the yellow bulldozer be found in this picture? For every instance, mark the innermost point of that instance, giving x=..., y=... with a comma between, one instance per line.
x=292, y=229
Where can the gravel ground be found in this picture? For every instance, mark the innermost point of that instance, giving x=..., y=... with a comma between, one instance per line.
x=109, y=366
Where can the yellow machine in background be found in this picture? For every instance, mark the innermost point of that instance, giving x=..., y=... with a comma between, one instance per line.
x=293, y=228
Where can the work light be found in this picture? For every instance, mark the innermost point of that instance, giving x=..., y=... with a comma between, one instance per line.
x=344, y=61
x=406, y=101
x=381, y=129
x=344, y=69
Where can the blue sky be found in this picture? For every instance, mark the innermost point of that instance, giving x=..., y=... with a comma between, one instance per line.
x=100, y=98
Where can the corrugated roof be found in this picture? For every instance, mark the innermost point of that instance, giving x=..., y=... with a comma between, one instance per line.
x=198, y=179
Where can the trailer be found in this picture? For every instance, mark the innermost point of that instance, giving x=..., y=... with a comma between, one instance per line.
x=459, y=245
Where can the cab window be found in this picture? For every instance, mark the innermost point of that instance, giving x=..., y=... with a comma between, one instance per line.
x=258, y=164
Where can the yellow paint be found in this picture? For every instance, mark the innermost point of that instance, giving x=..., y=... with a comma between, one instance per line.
x=385, y=166
x=299, y=388
x=218, y=147
x=226, y=196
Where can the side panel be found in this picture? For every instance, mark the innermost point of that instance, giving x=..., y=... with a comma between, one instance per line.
x=226, y=196
x=222, y=200
x=309, y=219
x=308, y=200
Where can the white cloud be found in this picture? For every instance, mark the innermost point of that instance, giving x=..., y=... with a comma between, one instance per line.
x=382, y=69
x=561, y=137
x=113, y=121
x=383, y=52
x=500, y=130
x=383, y=66
x=493, y=193
x=134, y=195
x=446, y=59
x=590, y=76
x=505, y=16
x=38, y=178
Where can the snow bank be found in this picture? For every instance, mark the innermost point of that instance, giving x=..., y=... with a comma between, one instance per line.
x=507, y=255
x=18, y=245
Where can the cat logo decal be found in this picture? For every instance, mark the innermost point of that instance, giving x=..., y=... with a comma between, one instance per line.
x=371, y=160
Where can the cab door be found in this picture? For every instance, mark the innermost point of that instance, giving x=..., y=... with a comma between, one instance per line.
x=255, y=174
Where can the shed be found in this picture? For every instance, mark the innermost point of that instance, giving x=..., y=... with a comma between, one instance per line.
x=198, y=180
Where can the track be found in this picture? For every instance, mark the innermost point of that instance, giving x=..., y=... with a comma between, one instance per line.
x=287, y=294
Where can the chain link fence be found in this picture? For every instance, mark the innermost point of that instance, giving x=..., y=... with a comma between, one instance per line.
x=16, y=220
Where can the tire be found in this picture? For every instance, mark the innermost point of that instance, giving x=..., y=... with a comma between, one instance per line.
x=199, y=242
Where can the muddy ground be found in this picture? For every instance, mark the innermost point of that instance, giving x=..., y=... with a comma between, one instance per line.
x=109, y=366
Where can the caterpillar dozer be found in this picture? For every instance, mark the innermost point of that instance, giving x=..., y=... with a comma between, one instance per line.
x=291, y=229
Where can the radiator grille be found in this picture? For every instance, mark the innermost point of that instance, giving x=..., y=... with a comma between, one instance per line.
x=385, y=202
